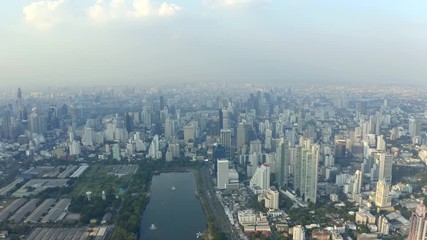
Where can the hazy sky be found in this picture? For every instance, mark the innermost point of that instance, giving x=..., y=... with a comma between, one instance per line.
x=149, y=41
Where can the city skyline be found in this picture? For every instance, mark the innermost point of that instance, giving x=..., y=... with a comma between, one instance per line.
x=70, y=43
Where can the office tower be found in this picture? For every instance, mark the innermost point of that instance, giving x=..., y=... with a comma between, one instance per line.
x=270, y=159
x=225, y=140
x=121, y=135
x=19, y=98
x=225, y=119
x=272, y=199
x=380, y=143
x=305, y=170
x=414, y=127
x=254, y=160
x=383, y=225
x=116, y=152
x=154, y=151
x=130, y=149
x=70, y=134
x=168, y=155
x=222, y=173
x=382, y=196
x=109, y=132
x=357, y=183
x=260, y=181
x=38, y=124
x=128, y=122
x=220, y=119
x=242, y=135
x=170, y=128
x=300, y=122
x=282, y=160
x=162, y=102
x=329, y=160
x=385, y=162
x=268, y=139
x=362, y=107
x=255, y=147
x=87, y=139
x=146, y=117
x=298, y=233
x=418, y=228
x=190, y=132
x=75, y=148
x=6, y=125
x=340, y=148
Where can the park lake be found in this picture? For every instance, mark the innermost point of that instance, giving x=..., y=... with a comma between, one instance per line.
x=174, y=211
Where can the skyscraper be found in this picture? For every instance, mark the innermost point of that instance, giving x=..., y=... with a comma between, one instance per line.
x=282, y=163
x=255, y=147
x=260, y=181
x=222, y=173
x=242, y=135
x=116, y=152
x=38, y=124
x=190, y=132
x=385, y=162
x=272, y=199
x=87, y=139
x=380, y=143
x=418, y=227
x=154, y=151
x=225, y=119
x=225, y=140
x=306, y=167
x=357, y=183
x=382, y=194
x=414, y=127
x=170, y=128
x=220, y=119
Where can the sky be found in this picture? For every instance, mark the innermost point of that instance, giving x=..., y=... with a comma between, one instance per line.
x=286, y=42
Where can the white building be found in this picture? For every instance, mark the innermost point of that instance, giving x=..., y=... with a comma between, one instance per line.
x=260, y=181
x=153, y=151
x=298, y=233
x=222, y=173
x=272, y=199
x=382, y=194
x=75, y=148
x=385, y=162
x=87, y=139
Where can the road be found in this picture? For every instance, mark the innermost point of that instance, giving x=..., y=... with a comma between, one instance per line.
x=215, y=207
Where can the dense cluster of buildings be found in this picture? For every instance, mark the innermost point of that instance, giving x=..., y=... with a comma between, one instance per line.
x=289, y=148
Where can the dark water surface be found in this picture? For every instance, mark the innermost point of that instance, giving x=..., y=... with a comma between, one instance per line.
x=175, y=214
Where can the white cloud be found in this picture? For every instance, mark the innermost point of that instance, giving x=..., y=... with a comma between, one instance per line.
x=135, y=9
x=234, y=3
x=98, y=12
x=167, y=9
x=141, y=8
x=43, y=14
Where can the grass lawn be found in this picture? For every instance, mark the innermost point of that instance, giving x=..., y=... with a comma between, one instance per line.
x=96, y=179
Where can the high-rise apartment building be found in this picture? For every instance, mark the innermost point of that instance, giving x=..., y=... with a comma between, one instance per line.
x=260, y=181
x=305, y=169
x=414, y=127
x=418, y=227
x=382, y=195
x=272, y=199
